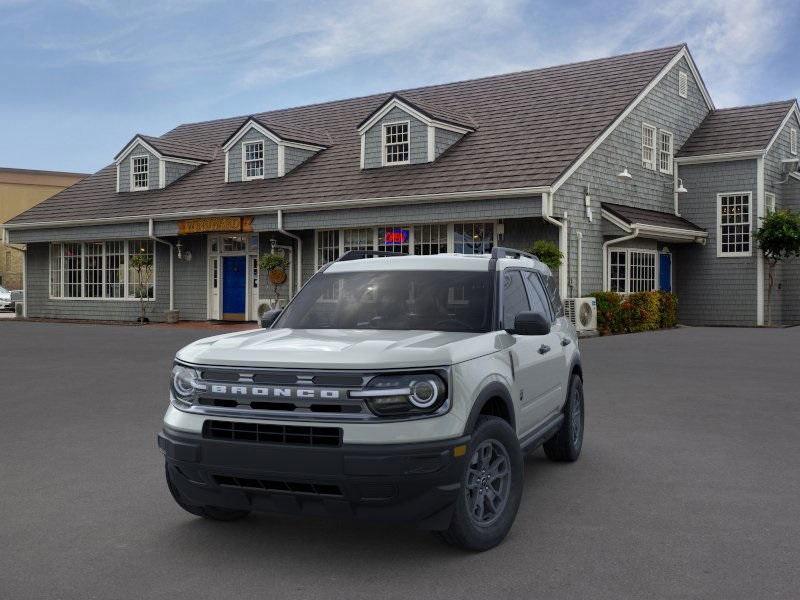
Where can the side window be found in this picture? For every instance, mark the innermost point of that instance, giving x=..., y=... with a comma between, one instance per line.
x=537, y=295
x=551, y=289
x=515, y=298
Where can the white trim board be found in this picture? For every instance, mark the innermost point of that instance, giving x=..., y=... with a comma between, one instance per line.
x=252, y=124
x=721, y=157
x=682, y=53
x=395, y=102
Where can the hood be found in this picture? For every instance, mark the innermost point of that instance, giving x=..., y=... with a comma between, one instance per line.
x=338, y=348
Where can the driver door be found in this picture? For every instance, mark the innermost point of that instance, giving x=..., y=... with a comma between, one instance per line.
x=535, y=358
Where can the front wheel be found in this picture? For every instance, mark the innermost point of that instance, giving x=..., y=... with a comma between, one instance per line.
x=491, y=488
x=566, y=444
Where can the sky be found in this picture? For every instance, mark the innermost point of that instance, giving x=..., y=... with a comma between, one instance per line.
x=81, y=77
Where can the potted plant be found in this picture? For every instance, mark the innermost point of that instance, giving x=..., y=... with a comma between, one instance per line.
x=275, y=265
x=547, y=252
x=142, y=265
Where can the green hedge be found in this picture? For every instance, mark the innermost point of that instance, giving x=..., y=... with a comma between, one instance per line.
x=641, y=311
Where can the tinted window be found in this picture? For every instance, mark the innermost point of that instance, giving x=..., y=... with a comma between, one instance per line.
x=539, y=301
x=397, y=300
x=515, y=298
x=552, y=292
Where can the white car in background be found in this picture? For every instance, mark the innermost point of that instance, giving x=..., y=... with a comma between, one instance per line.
x=5, y=299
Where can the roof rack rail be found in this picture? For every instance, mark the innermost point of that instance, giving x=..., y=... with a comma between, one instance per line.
x=501, y=252
x=359, y=254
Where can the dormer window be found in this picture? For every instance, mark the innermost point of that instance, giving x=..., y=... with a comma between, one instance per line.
x=396, y=147
x=253, y=160
x=140, y=169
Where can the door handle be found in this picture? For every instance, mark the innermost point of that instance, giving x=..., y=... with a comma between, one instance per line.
x=565, y=341
x=544, y=349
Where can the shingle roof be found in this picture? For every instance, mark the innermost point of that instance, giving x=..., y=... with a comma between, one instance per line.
x=631, y=215
x=434, y=112
x=175, y=148
x=530, y=127
x=737, y=129
x=287, y=132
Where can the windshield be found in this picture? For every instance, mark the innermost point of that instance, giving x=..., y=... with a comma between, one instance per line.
x=433, y=300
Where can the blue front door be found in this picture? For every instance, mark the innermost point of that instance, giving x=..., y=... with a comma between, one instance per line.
x=233, y=287
x=665, y=272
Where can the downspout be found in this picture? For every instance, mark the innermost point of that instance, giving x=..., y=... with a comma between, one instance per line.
x=299, y=267
x=580, y=260
x=152, y=236
x=563, y=270
x=605, y=253
x=6, y=239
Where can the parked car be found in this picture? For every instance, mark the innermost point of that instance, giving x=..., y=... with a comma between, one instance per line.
x=5, y=299
x=402, y=389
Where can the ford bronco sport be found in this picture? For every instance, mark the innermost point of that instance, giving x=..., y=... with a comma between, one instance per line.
x=396, y=388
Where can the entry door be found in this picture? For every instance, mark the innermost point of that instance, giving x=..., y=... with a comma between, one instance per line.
x=234, y=280
x=665, y=272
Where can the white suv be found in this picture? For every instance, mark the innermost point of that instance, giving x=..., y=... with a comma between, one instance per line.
x=396, y=388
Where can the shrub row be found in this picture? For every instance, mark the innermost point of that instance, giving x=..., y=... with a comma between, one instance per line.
x=641, y=311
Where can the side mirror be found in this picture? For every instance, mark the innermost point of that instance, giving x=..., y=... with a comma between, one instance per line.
x=269, y=317
x=531, y=323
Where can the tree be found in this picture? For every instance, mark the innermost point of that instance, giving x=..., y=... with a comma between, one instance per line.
x=548, y=253
x=142, y=265
x=779, y=240
x=275, y=265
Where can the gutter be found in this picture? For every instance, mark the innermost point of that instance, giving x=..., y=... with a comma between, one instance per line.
x=580, y=260
x=151, y=235
x=299, y=258
x=563, y=270
x=605, y=253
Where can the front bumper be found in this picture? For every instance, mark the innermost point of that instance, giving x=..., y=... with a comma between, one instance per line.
x=409, y=483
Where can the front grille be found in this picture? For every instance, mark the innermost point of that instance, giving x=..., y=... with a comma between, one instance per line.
x=286, y=487
x=273, y=434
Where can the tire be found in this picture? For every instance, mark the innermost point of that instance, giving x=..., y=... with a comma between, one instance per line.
x=566, y=444
x=482, y=519
x=215, y=513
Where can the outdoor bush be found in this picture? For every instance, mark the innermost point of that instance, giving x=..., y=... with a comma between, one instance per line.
x=641, y=311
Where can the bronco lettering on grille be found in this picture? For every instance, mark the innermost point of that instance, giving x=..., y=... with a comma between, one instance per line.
x=276, y=392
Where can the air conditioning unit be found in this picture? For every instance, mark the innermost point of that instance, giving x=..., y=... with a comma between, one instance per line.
x=582, y=312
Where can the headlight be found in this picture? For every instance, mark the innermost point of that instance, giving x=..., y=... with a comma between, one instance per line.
x=185, y=381
x=404, y=394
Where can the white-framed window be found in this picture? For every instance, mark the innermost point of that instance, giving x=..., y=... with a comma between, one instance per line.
x=665, y=152
x=683, y=84
x=99, y=270
x=769, y=200
x=430, y=239
x=396, y=143
x=793, y=140
x=632, y=270
x=253, y=160
x=140, y=173
x=648, y=146
x=734, y=212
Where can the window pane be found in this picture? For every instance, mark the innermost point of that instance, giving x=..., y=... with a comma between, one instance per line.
x=73, y=270
x=536, y=294
x=140, y=280
x=93, y=270
x=394, y=239
x=254, y=159
x=358, y=239
x=473, y=238
x=115, y=269
x=618, y=272
x=140, y=169
x=327, y=246
x=515, y=298
x=397, y=144
x=430, y=239
x=734, y=221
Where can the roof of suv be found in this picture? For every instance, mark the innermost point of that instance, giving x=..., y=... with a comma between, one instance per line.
x=437, y=262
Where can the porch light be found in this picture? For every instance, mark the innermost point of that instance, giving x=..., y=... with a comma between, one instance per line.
x=680, y=189
x=624, y=175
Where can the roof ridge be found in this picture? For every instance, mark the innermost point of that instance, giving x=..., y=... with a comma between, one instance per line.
x=389, y=93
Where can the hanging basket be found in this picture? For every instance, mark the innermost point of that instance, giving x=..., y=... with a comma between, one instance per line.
x=277, y=276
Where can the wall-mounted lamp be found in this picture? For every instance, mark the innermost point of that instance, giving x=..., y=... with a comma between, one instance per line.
x=185, y=255
x=680, y=189
x=624, y=175
x=587, y=200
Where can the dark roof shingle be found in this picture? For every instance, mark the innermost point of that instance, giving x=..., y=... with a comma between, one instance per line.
x=739, y=129
x=530, y=127
x=631, y=215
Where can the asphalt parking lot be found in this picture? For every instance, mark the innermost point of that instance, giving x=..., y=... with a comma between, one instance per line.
x=689, y=485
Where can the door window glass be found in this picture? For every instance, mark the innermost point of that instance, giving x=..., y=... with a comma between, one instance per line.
x=515, y=298
x=537, y=295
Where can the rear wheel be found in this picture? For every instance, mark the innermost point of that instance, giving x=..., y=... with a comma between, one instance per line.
x=215, y=513
x=566, y=444
x=491, y=488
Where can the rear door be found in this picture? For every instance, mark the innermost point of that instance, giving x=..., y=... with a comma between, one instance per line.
x=535, y=382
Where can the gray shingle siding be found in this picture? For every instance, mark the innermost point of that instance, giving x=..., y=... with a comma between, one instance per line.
x=294, y=157
x=443, y=139
x=714, y=290
x=786, y=288
x=418, y=138
x=125, y=169
x=174, y=171
x=87, y=233
x=649, y=189
x=270, y=156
